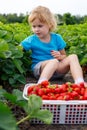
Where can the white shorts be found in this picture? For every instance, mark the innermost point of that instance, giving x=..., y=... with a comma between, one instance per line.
x=37, y=72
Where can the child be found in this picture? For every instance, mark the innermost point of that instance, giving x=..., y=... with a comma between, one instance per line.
x=48, y=54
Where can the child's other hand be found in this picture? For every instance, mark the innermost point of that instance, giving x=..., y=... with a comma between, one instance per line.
x=56, y=54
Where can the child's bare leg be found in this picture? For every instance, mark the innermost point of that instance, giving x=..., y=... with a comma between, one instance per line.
x=47, y=69
x=75, y=68
x=69, y=63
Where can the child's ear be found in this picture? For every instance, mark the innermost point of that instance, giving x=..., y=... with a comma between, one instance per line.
x=50, y=27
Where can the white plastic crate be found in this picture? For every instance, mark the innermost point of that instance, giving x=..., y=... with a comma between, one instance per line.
x=64, y=112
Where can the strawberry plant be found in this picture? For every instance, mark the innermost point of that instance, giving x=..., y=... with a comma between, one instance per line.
x=31, y=107
x=76, y=39
x=13, y=61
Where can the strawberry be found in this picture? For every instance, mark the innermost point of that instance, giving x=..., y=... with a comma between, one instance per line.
x=85, y=94
x=44, y=83
x=41, y=91
x=30, y=89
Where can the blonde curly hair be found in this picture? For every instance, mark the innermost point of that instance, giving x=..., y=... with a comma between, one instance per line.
x=44, y=15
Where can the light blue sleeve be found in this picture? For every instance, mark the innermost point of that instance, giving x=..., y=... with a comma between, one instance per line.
x=26, y=43
x=61, y=42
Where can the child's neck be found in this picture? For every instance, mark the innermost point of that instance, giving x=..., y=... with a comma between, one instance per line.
x=46, y=39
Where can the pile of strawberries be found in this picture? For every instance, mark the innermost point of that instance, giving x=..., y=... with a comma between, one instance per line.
x=67, y=91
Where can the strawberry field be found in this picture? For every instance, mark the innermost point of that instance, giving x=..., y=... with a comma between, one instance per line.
x=15, y=68
x=14, y=63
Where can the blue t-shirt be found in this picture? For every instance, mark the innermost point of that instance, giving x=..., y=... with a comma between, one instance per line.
x=40, y=50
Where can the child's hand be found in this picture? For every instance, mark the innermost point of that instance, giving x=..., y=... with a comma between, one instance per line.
x=56, y=54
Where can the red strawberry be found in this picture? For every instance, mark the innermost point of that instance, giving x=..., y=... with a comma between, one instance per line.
x=44, y=83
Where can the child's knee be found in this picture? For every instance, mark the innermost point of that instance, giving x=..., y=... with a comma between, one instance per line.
x=54, y=62
x=73, y=57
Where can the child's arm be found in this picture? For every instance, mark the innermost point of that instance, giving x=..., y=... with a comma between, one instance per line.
x=60, y=55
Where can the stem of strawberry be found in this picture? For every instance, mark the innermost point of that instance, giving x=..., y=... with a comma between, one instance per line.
x=22, y=120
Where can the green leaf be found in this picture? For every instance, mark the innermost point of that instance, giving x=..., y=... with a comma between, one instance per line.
x=19, y=37
x=22, y=79
x=3, y=45
x=11, y=97
x=8, y=67
x=16, y=76
x=2, y=91
x=19, y=78
x=84, y=60
x=34, y=110
x=18, y=94
x=18, y=64
x=4, y=49
x=16, y=51
x=19, y=98
x=7, y=54
x=2, y=33
x=11, y=81
x=7, y=121
x=34, y=103
x=44, y=115
x=16, y=98
x=8, y=37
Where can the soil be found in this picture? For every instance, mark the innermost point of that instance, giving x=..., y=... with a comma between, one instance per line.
x=27, y=126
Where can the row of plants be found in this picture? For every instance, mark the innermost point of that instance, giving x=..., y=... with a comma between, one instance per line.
x=15, y=63
x=76, y=39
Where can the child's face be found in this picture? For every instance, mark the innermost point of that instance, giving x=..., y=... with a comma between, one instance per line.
x=40, y=29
